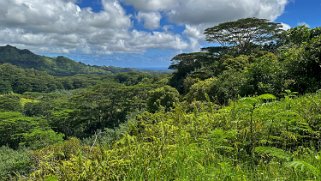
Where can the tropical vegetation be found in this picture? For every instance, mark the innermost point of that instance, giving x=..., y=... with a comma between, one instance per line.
x=248, y=109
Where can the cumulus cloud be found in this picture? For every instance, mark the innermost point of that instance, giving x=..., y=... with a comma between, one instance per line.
x=212, y=11
x=285, y=26
x=195, y=34
x=151, y=20
x=63, y=26
x=217, y=11
x=153, y=5
x=196, y=16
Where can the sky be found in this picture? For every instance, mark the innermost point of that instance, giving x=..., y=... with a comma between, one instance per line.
x=134, y=33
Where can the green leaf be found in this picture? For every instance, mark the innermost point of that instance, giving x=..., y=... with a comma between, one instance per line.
x=273, y=152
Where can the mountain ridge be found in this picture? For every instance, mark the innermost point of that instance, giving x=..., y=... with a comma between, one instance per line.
x=58, y=66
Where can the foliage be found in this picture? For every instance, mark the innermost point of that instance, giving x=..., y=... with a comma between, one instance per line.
x=21, y=80
x=185, y=64
x=13, y=163
x=296, y=35
x=37, y=109
x=200, y=90
x=244, y=33
x=240, y=112
x=229, y=86
x=293, y=66
x=255, y=138
x=265, y=75
x=103, y=106
x=162, y=98
x=23, y=71
x=39, y=138
x=303, y=65
x=55, y=66
x=16, y=129
x=10, y=103
x=5, y=87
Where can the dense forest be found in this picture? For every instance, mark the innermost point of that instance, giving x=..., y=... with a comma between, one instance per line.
x=246, y=109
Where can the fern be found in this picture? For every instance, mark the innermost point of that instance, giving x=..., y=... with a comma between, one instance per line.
x=305, y=167
x=273, y=152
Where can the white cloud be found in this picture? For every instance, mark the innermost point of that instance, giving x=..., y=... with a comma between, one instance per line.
x=151, y=20
x=285, y=26
x=195, y=31
x=196, y=16
x=212, y=11
x=195, y=34
x=303, y=24
x=62, y=26
x=152, y=5
x=157, y=40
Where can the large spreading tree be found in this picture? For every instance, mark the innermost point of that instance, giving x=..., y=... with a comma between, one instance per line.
x=243, y=34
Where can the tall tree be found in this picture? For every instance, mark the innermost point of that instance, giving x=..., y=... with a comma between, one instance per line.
x=243, y=34
x=185, y=64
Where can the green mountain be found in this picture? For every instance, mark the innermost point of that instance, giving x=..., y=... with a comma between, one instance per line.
x=54, y=66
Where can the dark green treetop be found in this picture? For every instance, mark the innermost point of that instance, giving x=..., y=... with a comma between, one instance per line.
x=243, y=34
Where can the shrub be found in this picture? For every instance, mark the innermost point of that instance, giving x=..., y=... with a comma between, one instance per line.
x=13, y=162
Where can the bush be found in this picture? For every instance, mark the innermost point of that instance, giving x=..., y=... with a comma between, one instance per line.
x=41, y=138
x=37, y=109
x=200, y=90
x=10, y=103
x=13, y=162
x=16, y=129
x=162, y=98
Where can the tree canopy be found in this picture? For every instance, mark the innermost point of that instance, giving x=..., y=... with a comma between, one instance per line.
x=244, y=33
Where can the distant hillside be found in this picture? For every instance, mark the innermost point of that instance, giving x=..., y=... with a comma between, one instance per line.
x=54, y=66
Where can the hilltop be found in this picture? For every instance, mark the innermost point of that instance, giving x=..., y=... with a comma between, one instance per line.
x=59, y=66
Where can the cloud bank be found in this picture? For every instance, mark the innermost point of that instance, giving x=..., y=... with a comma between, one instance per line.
x=63, y=26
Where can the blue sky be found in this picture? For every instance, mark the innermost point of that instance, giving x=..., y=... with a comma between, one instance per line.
x=134, y=33
x=298, y=12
